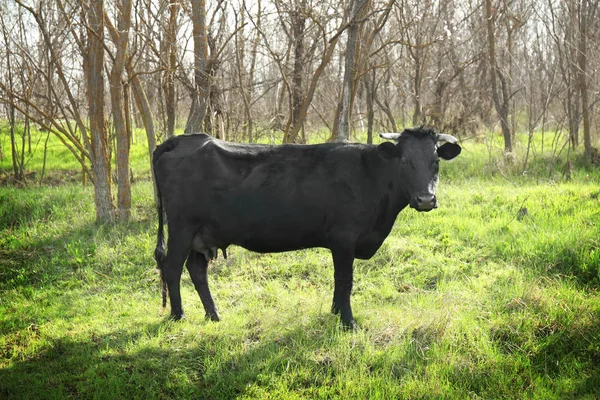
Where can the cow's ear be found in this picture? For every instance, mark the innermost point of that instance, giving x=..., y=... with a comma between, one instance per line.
x=448, y=151
x=388, y=150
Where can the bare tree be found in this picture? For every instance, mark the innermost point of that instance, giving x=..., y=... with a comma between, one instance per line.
x=563, y=30
x=587, y=13
x=93, y=65
x=171, y=70
x=452, y=56
x=18, y=166
x=120, y=113
x=46, y=104
x=341, y=127
x=139, y=93
x=501, y=95
x=246, y=77
x=366, y=65
x=298, y=18
x=200, y=90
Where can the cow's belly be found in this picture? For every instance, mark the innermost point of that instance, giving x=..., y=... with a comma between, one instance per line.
x=272, y=240
x=283, y=220
x=268, y=222
x=269, y=247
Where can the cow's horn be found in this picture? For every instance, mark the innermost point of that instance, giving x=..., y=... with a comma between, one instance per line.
x=390, y=136
x=442, y=137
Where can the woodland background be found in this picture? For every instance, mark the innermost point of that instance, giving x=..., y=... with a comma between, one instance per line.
x=91, y=72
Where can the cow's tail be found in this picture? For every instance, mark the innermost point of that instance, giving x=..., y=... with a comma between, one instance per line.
x=159, y=252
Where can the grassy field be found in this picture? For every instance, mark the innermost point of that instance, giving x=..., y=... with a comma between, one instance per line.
x=493, y=295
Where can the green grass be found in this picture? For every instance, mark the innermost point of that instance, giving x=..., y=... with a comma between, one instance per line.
x=61, y=164
x=477, y=299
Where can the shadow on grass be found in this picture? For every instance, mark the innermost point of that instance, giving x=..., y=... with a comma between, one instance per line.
x=48, y=272
x=566, y=356
x=165, y=360
x=67, y=367
x=212, y=367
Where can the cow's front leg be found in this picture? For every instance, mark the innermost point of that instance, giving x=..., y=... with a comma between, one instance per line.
x=197, y=266
x=343, y=260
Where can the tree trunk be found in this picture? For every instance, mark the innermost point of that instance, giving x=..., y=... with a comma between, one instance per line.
x=11, y=107
x=369, y=83
x=13, y=144
x=416, y=119
x=573, y=115
x=437, y=108
x=384, y=105
x=252, y=73
x=214, y=112
x=341, y=127
x=246, y=81
x=119, y=113
x=298, y=26
x=327, y=54
x=201, y=82
x=95, y=91
x=582, y=63
x=171, y=35
x=501, y=95
x=142, y=104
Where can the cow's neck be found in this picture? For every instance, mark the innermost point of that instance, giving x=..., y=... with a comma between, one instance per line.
x=391, y=201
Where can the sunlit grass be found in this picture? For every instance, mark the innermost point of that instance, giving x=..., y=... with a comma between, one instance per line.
x=476, y=298
x=60, y=163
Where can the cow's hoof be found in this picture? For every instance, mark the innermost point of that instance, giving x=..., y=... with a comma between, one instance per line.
x=349, y=325
x=213, y=316
x=177, y=317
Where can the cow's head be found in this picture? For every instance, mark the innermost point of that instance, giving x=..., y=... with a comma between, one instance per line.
x=419, y=151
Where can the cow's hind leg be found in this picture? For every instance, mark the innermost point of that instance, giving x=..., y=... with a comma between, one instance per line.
x=343, y=260
x=178, y=247
x=197, y=265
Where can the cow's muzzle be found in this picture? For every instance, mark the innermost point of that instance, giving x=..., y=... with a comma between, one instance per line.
x=423, y=202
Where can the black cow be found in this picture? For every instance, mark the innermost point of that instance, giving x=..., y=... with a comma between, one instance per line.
x=340, y=196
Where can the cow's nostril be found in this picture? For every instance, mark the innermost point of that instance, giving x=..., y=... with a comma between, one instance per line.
x=425, y=202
